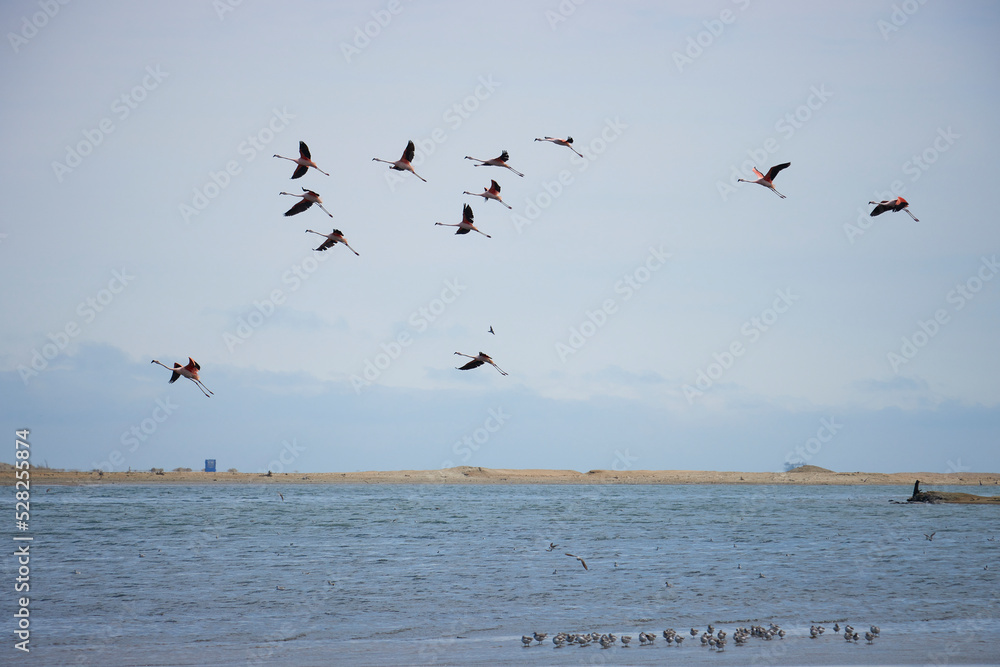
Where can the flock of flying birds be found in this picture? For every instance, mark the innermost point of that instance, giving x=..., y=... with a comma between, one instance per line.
x=405, y=163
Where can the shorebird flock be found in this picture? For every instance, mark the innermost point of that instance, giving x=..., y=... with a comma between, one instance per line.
x=308, y=198
x=711, y=639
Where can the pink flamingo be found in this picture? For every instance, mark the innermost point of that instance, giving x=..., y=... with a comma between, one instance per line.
x=190, y=372
x=567, y=142
x=332, y=239
x=492, y=192
x=767, y=179
x=304, y=161
x=466, y=225
x=308, y=199
x=895, y=205
x=477, y=361
x=403, y=163
x=495, y=162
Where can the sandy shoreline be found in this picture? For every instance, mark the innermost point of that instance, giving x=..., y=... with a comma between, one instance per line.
x=475, y=475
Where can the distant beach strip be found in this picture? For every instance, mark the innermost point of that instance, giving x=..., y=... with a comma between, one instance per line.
x=805, y=475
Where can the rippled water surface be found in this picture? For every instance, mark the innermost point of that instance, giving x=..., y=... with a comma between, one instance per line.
x=454, y=575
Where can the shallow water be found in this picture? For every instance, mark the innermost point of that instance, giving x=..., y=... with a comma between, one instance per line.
x=385, y=574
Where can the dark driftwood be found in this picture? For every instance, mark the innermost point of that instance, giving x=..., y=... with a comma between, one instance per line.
x=947, y=497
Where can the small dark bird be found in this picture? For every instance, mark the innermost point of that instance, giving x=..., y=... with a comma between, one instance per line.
x=552, y=545
x=582, y=562
x=492, y=331
x=930, y=538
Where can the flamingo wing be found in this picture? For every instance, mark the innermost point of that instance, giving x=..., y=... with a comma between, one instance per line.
x=304, y=151
x=174, y=376
x=504, y=157
x=881, y=208
x=494, y=186
x=300, y=171
x=193, y=364
x=409, y=152
x=475, y=363
x=773, y=171
x=328, y=243
x=463, y=230
x=298, y=208
x=467, y=214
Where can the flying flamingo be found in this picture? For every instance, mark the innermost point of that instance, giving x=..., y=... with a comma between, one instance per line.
x=492, y=192
x=308, y=199
x=567, y=142
x=403, y=163
x=495, y=162
x=304, y=161
x=767, y=179
x=190, y=372
x=897, y=204
x=477, y=361
x=333, y=239
x=466, y=225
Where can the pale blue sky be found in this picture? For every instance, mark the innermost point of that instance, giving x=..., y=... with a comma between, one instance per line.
x=614, y=284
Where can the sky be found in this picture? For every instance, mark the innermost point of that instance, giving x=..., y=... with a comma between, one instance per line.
x=652, y=312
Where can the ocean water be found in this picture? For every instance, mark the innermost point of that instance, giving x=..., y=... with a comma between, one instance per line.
x=455, y=575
